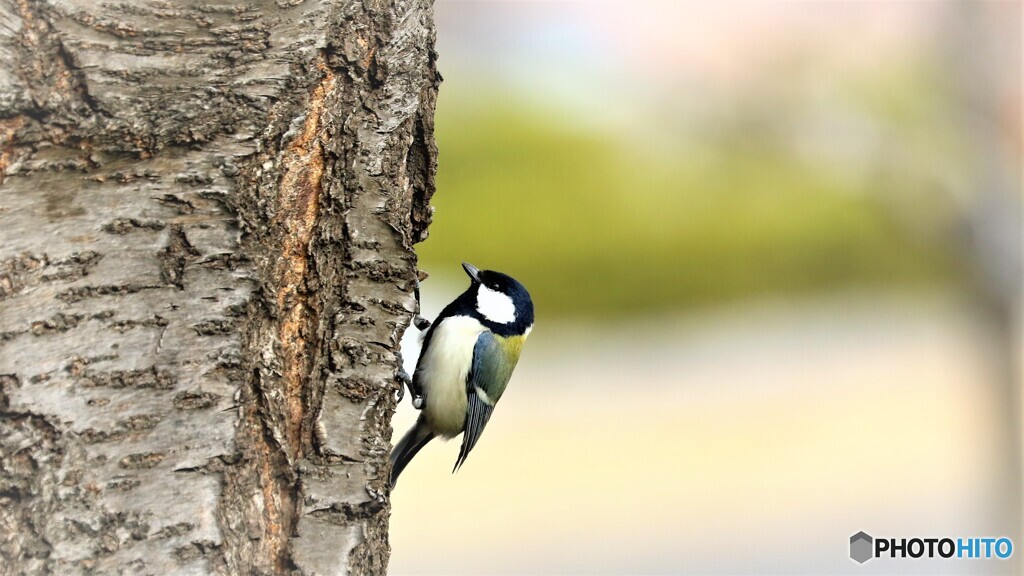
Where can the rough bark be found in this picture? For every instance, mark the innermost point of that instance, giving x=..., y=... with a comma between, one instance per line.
x=207, y=214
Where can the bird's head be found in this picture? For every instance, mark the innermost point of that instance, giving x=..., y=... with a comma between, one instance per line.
x=501, y=300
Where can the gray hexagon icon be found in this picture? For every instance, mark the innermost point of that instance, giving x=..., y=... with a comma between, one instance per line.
x=860, y=547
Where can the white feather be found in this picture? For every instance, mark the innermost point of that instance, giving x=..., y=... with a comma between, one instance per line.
x=443, y=371
x=482, y=394
x=495, y=306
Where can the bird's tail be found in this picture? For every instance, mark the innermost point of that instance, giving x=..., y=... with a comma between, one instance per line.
x=416, y=438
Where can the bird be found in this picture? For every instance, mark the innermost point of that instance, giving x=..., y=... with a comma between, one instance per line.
x=468, y=354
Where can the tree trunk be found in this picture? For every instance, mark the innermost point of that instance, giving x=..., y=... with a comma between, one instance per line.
x=982, y=44
x=207, y=214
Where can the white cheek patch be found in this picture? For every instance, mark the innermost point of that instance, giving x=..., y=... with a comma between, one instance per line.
x=495, y=306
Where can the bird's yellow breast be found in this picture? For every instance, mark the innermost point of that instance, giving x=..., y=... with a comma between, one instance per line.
x=513, y=345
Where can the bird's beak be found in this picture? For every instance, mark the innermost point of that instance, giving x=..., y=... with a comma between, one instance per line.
x=473, y=271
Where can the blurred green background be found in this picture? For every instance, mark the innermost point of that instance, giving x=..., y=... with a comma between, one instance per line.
x=634, y=230
x=775, y=253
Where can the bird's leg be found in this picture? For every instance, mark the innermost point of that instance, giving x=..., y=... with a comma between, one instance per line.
x=421, y=324
x=418, y=321
x=408, y=382
x=400, y=391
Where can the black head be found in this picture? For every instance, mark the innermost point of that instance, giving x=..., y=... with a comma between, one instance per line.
x=499, y=301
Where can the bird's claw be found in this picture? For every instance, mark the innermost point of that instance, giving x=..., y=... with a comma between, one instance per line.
x=407, y=382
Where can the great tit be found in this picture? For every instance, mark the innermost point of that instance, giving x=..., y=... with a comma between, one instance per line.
x=465, y=363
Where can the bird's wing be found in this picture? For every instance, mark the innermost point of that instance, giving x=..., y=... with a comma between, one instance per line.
x=494, y=358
